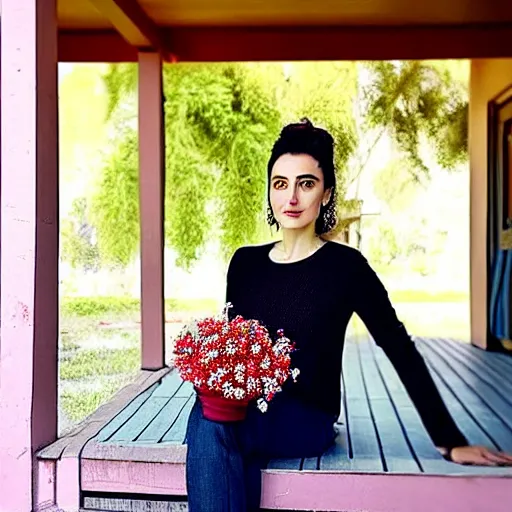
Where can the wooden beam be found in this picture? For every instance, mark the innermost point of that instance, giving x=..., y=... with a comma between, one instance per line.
x=220, y=44
x=134, y=25
x=30, y=249
x=151, y=172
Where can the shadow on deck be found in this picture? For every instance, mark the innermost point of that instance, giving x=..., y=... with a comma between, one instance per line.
x=133, y=454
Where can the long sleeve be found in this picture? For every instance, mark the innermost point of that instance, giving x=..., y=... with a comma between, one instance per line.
x=375, y=310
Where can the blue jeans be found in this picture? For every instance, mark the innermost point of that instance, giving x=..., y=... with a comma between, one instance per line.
x=224, y=460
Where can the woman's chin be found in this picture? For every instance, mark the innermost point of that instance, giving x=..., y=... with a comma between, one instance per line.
x=291, y=223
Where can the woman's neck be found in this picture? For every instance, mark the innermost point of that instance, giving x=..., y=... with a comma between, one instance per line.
x=298, y=244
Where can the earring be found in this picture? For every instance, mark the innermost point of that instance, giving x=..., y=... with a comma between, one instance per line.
x=329, y=218
x=271, y=220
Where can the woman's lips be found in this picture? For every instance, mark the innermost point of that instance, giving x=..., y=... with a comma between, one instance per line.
x=293, y=214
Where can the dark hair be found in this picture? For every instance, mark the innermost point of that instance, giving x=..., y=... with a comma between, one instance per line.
x=305, y=138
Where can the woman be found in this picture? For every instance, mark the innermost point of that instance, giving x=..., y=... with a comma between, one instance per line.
x=309, y=287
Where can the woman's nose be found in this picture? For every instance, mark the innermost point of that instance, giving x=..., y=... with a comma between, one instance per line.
x=293, y=199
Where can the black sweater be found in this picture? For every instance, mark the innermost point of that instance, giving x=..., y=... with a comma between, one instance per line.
x=313, y=300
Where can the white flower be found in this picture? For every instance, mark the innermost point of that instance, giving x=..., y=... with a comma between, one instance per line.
x=212, y=354
x=262, y=405
x=239, y=393
x=265, y=364
x=295, y=373
x=228, y=389
x=230, y=349
x=252, y=384
x=255, y=349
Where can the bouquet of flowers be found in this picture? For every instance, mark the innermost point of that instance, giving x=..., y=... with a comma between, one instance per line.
x=231, y=363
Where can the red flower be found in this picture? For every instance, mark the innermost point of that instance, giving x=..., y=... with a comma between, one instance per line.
x=234, y=359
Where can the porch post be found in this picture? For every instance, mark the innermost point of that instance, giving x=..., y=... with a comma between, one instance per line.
x=151, y=165
x=30, y=245
x=477, y=141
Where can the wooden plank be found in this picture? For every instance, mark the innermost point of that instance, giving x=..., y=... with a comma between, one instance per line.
x=169, y=385
x=157, y=453
x=76, y=438
x=140, y=420
x=120, y=419
x=477, y=358
x=502, y=362
x=310, y=464
x=470, y=426
x=486, y=391
x=132, y=22
x=500, y=383
x=495, y=428
x=429, y=458
x=186, y=390
x=286, y=43
x=397, y=452
x=176, y=433
x=336, y=458
x=362, y=435
x=285, y=464
x=113, y=476
x=318, y=490
x=163, y=421
x=132, y=505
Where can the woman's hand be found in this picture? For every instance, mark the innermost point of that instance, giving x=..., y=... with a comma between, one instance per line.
x=480, y=456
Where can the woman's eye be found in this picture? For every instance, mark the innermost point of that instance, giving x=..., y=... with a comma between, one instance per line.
x=308, y=184
x=279, y=185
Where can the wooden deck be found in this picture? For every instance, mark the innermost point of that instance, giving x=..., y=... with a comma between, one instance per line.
x=381, y=444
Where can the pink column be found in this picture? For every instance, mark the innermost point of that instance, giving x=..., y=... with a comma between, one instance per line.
x=151, y=163
x=30, y=245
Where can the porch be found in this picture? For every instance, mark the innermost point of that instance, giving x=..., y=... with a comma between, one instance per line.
x=131, y=452
x=126, y=449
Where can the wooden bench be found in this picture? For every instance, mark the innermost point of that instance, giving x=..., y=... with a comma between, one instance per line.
x=383, y=458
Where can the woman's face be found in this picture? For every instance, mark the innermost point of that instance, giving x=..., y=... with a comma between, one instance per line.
x=297, y=191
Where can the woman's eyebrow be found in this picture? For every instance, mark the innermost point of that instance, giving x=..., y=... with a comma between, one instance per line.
x=308, y=176
x=300, y=177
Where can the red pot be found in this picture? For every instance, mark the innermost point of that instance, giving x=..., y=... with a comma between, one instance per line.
x=218, y=408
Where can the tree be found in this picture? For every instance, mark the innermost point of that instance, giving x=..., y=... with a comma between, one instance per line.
x=78, y=244
x=220, y=122
x=417, y=100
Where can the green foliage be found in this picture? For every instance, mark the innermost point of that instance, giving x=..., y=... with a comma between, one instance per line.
x=395, y=186
x=118, y=306
x=416, y=100
x=98, y=306
x=121, y=82
x=115, y=205
x=384, y=248
x=220, y=123
x=78, y=246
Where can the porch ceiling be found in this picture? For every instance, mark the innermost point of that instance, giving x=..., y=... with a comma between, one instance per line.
x=227, y=30
x=80, y=14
